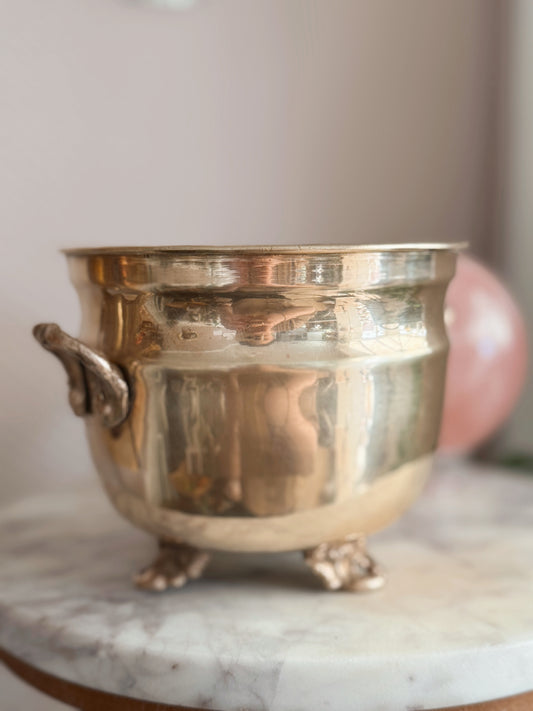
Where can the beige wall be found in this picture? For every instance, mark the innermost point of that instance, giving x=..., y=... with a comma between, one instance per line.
x=234, y=121
x=515, y=225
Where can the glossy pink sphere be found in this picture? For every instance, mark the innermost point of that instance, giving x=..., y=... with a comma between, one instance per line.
x=488, y=357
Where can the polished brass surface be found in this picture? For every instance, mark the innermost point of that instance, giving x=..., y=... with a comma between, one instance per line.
x=278, y=398
x=174, y=566
x=345, y=565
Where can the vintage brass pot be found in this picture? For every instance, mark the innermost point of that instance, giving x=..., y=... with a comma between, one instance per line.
x=260, y=398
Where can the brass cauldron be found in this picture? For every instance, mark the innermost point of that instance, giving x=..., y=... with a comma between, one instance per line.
x=260, y=398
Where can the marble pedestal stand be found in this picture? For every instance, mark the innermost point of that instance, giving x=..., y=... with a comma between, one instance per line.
x=452, y=627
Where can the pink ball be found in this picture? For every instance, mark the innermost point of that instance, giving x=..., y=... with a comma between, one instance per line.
x=488, y=357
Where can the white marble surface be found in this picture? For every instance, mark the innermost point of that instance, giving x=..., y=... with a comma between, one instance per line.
x=454, y=624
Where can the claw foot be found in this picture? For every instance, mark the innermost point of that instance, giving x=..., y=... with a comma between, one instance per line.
x=345, y=565
x=174, y=566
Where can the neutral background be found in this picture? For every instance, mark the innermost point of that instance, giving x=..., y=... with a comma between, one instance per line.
x=230, y=122
x=244, y=122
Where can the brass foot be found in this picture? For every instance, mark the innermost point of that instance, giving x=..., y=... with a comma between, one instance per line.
x=175, y=564
x=345, y=565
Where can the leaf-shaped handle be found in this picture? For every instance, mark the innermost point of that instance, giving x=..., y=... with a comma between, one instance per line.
x=96, y=386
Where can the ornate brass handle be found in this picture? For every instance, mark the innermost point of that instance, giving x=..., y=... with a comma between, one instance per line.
x=96, y=386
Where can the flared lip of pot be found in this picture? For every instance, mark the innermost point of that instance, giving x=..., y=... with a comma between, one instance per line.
x=147, y=251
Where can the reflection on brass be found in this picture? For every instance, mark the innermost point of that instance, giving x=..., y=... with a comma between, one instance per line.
x=345, y=565
x=259, y=399
x=175, y=564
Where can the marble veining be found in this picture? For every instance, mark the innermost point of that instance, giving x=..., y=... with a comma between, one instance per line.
x=453, y=625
